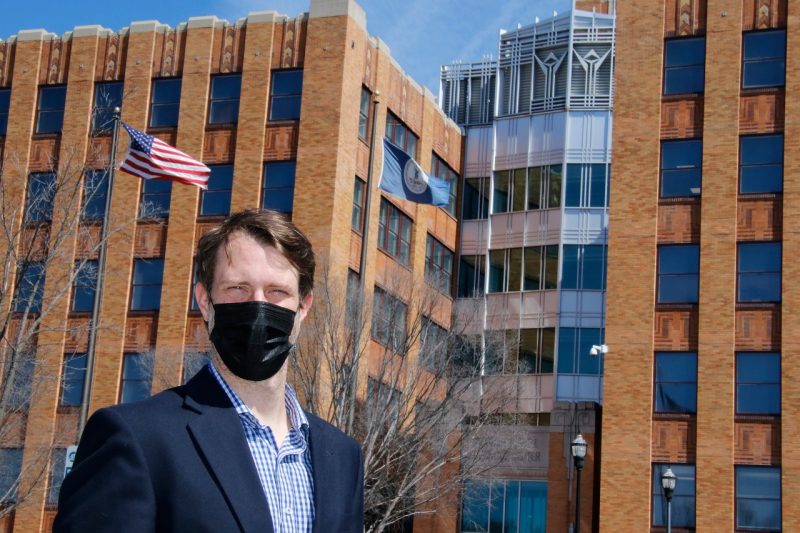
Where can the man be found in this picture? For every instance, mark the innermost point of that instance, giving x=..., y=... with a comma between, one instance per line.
x=231, y=450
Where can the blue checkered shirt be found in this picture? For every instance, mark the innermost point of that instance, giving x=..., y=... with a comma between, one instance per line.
x=285, y=471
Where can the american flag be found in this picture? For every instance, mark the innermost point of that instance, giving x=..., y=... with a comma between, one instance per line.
x=151, y=158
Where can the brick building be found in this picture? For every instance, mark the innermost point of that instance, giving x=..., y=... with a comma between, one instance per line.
x=279, y=107
x=702, y=305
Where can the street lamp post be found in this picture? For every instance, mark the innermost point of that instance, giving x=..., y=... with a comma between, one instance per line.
x=668, y=481
x=578, y=454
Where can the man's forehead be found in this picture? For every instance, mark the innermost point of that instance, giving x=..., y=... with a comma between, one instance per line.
x=240, y=250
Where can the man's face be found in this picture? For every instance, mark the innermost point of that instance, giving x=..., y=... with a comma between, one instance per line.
x=248, y=271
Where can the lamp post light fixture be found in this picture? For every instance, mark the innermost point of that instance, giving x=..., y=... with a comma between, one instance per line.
x=668, y=482
x=578, y=454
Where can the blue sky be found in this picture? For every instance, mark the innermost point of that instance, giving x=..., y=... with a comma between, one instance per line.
x=422, y=34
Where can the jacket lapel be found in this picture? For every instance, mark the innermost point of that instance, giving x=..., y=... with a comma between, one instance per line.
x=322, y=460
x=220, y=439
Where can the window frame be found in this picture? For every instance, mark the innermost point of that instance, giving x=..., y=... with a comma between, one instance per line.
x=217, y=188
x=46, y=112
x=71, y=375
x=135, y=286
x=161, y=199
x=478, y=198
x=739, y=484
x=364, y=115
x=678, y=496
x=167, y=104
x=145, y=378
x=95, y=194
x=37, y=185
x=217, y=101
x=358, y=216
x=284, y=187
x=472, y=280
x=745, y=380
x=438, y=264
x=682, y=68
x=81, y=285
x=5, y=108
x=384, y=329
x=279, y=97
x=743, y=139
x=662, y=275
x=105, y=111
x=660, y=382
x=401, y=249
x=441, y=170
x=399, y=134
x=759, y=246
x=35, y=285
x=762, y=59
x=681, y=169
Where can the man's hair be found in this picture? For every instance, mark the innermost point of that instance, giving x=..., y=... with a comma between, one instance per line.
x=267, y=227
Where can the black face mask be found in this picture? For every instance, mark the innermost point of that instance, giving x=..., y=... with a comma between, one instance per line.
x=252, y=338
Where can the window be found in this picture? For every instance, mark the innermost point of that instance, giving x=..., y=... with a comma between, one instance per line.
x=471, y=276
x=146, y=290
x=684, y=65
x=5, y=104
x=39, y=197
x=441, y=170
x=359, y=192
x=433, y=345
x=678, y=273
x=57, y=460
x=761, y=164
x=216, y=200
x=30, y=287
x=394, y=232
x=72, y=381
x=586, y=185
x=95, y=193
x=475, y=204
x=574, y=345
x=21, y=378
x=759, y=272
x=758, y=383
x=533, y=268
x=676, y=382
x=683, y=499
x=681, y=168
x=504, y=505
x=354, y=306
x=224, y=107
x=10, y=468
x=389, y=320
x=584, y=267
x=165, y=103
x=136, y=378
x=155, y=199
x=764, y=59
x=544, y=187
x=50, y=113
x=399, y=134
x=523, y=351
x=758, y=497
x=279, y=186
x=107, y=96
x=363, y=114
x=84, y=286
x=438, y=264
x=287, y=89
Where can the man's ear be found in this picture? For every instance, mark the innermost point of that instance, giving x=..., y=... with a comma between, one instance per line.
x=203, y=299
x=305, y=305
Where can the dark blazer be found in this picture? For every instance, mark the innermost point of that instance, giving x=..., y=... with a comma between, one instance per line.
x=179, y=461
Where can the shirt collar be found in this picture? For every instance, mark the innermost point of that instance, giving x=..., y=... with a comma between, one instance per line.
x=295, y=411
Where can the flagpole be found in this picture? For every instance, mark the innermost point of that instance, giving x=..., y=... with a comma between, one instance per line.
x=98, y=293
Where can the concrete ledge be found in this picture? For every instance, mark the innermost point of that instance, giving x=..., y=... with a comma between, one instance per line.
x=258, y=17
x=382, y=46
x=337, y=8
x=95, y=30
x=35, y=35
x=144, y=26
x=202, y=22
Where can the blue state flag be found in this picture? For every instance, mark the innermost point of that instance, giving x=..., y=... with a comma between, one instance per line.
x=403, y=177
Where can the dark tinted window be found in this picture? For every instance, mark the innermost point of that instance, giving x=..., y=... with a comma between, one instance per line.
x=681, y=168
x=10, y=468
x=165, y=103
x=684, y=65
x=764, y=59
x=136, y=378
x=95, y=193
x=678, y=273
x=399, y=134
x=357, y=217
x=471, y=276
x=225, y=90
x=146, y=289
x=287, y=89
x=216, y=200
x=72, y=382
x=759, y=272
x=50, y=115
x=155, y=199
x=84, y=286
x=676, y=382
x=438, y=264
x=574, y=347
x=475, y=204
x=5, y=103
x=278, y=191
x=758, y=498
x=394, y=232
x=39, y=197
x=583, y=267
x=30, y=287
x=683, y=499
x=107, y=96
x=758, y=383
x=761, y=164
